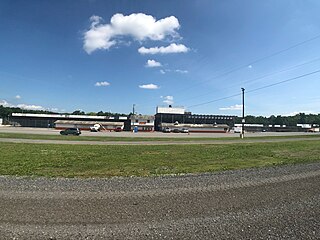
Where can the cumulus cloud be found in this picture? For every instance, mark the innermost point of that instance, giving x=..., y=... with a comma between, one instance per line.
x=17, y=97
x=5, y=103
x=153, y=63
x=172, y=48
x=22, y=106
x=162, y=71
x=232, y=108
x=30, y=107
x=139, y=26
x=168, y=99
x=149, y=86
x=101, y=84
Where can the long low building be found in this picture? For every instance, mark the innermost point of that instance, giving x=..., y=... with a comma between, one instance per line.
x=86, y=125
x=199, y=128
x=49, y=120
x=195, y=122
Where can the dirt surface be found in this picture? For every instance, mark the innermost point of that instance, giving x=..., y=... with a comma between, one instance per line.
x=269, y=203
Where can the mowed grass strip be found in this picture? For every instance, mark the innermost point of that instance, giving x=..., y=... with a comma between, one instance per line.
x=100, y=138
x=107, y=161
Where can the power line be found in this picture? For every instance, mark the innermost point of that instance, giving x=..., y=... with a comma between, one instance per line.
x=284, y=81
x=256, y=79
x=257, y=89
x=216, y=100
x=255, y=61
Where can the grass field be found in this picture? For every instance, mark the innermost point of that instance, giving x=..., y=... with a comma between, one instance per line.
x=106, y=161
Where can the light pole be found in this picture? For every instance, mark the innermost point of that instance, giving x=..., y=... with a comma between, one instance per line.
x=243, y=120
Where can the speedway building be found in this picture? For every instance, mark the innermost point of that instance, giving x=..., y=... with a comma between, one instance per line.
x=178, y=118
x=165, y=117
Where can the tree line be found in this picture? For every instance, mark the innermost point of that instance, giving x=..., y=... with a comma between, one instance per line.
x=6, y=112
x=300, y=118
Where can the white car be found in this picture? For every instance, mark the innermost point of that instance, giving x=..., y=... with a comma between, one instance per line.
x=184, y=130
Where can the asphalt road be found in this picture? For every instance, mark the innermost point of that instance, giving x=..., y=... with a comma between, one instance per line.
x=50, y=131
x=270, y=203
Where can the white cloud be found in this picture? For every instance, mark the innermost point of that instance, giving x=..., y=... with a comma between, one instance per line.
x=30, y=107
x=298, y=112
x=22, y=106
x=5, y=103
x=232, y=108
x=18, y=97
x=181, y=71
x=139, y=26
x=153, y=63
x=101, y=84
x=250, y=66
x=168, y=99
x=172, y=48
x=149, y=86
x=164, y=71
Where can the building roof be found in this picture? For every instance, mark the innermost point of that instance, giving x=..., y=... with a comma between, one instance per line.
x=66, y=116
x=87, y=122
x=185, y=125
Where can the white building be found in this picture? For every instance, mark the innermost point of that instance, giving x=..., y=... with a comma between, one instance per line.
x=171, y=110
x=143, y=123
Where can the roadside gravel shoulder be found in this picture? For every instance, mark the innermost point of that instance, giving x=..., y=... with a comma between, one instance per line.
x=156, y=184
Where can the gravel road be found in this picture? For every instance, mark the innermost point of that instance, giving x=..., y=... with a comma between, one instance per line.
x=269, y=203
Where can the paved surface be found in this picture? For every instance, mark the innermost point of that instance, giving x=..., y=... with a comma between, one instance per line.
x=271, y=203
x=47, y=131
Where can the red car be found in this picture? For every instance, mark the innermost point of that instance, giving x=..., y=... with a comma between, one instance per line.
x=118, y=129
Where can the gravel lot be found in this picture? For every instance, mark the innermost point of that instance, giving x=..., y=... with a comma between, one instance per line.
x=269, y=203
x=49, y=131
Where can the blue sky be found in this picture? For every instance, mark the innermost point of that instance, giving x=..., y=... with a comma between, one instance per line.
x=107, y=55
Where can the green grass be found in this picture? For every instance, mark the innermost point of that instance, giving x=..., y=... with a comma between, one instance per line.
x=106, y=161
x=135, y=138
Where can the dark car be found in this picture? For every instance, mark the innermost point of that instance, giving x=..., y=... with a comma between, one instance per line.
x=71, y=131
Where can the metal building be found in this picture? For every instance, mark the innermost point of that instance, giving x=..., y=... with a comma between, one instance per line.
x=178, y=115
x=49, y=120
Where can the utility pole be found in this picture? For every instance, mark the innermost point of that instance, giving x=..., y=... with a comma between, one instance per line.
x=243, y=119
x=133, y=109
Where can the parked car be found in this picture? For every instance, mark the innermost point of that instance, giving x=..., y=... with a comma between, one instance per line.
x=176, y=130
x=118, y=129
x=71, y=131
x=166, y=130
x=184, y=130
